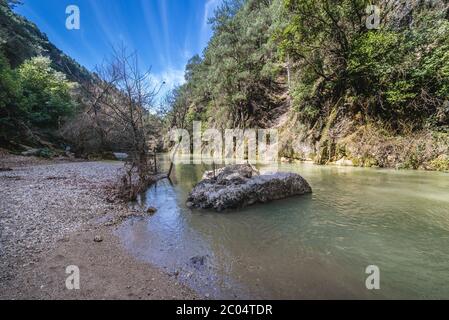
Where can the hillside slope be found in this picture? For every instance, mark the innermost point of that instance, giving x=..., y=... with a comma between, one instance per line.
x=21, y=39
x=339, y=87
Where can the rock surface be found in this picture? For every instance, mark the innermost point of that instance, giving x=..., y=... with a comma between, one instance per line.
x=120, y=156
x=240, y=186
x=345, y=162
x=31, y=152
x=151, y=210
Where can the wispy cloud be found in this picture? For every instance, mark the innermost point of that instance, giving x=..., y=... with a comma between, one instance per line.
x=209, y=8
x=172, y=78
x=165, y=29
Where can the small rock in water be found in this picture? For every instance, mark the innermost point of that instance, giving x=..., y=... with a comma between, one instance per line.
x=98, y=239
x=198, y=261
x=151, y=210
x=120, y=156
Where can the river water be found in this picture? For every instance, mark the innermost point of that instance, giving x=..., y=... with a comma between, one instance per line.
x=310, y=247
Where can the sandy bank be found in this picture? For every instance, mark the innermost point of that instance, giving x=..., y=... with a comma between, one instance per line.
x=50, y=214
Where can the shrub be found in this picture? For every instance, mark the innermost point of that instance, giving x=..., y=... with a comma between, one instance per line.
x=46, y=93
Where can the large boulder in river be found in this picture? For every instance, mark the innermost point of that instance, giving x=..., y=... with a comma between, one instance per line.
x=240, y=185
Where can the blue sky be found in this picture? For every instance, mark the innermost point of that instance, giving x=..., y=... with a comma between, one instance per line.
x=165, y=33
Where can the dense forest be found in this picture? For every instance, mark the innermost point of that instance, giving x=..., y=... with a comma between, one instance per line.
x=352, y=81
x=337, y=88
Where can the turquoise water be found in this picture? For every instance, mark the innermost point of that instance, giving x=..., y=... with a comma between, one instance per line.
x=311, y=247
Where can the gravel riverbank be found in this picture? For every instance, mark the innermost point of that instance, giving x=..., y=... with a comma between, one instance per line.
x=49, y=217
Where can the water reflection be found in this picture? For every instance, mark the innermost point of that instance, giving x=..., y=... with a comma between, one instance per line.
x=315, y=246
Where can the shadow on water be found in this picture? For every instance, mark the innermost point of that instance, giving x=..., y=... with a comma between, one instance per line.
x=316, y=246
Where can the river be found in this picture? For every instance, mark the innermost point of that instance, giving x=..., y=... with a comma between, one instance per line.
x=310, y=247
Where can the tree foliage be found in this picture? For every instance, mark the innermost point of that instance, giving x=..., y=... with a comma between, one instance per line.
x=321, y=55
x=10, y=97
x=46, y=93
x=33, y=96
x=233, y=83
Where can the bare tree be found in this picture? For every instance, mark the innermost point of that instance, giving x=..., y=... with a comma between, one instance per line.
x=125, y=95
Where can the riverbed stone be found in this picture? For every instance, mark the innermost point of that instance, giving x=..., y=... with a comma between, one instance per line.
x=31, y=152
x=239, y=186
x=151, y=210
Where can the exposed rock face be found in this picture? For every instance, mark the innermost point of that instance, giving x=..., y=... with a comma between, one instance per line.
x=31, y=152
x=345, y=162
x=399, y=13
x=120, y=156
x=240, y=185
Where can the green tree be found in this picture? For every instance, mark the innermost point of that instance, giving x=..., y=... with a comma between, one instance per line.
x=319, y=57
x=46, y=93
x=232, y=84
x=10, y=97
